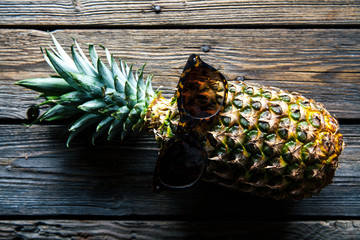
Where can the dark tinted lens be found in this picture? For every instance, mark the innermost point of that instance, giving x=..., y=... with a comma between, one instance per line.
x=203, y=92
x=181, y=164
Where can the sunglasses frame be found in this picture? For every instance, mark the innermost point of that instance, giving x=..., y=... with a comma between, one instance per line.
x=187, y=121
x=194, y=61
x=158, y=184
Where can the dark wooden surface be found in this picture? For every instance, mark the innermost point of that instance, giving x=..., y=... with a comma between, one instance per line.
x=48, y=191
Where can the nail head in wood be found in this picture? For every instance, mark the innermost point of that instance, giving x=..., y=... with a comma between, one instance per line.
x=157, y=8
x=205, y=48
x=240, y=78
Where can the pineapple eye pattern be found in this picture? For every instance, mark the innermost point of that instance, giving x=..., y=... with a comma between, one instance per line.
x=285, y=143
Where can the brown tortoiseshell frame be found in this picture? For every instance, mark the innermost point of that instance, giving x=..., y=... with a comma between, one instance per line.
x=187, y=122
x=186, y=119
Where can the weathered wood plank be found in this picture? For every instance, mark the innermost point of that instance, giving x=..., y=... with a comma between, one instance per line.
x=39, y=176
x=85, y=229
x=173, y=12
x=323, y=64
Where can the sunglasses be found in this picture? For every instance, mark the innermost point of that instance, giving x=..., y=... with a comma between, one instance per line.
x=201, y=95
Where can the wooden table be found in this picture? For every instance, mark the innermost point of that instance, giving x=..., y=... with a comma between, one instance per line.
x=48, y=191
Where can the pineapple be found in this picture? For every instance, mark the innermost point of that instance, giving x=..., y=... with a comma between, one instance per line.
x=266, y=141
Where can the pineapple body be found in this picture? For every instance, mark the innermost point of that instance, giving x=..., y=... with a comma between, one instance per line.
x=267, y=141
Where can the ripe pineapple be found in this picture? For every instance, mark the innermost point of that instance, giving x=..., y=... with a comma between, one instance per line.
x=266, y=141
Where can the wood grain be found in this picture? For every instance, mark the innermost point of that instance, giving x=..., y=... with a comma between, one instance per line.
x=104, y=191
x=39, y=176
x=174, y=13
x=157, y=230
x=323, y=64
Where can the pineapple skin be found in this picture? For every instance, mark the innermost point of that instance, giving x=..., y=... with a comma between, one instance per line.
x=266, y=141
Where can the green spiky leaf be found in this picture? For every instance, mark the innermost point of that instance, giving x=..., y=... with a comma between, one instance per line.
x=108, y=55
x=83, y=55
x=72, y=98
x=114, y=98
x=62, y=68
x=82, y=123
x=48, y=86
x=102, y=127
x=88, y=84
x=106, y=74
x=93, y=105
x=62, y=53
x=119, y=98
x=118, y=76
x=131, y=78
x=130, y=94
x=93, y=55
x=83, y=66
x=109, y=110
x=59, y=112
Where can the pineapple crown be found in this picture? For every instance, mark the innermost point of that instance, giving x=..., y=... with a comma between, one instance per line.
x=114, y=99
